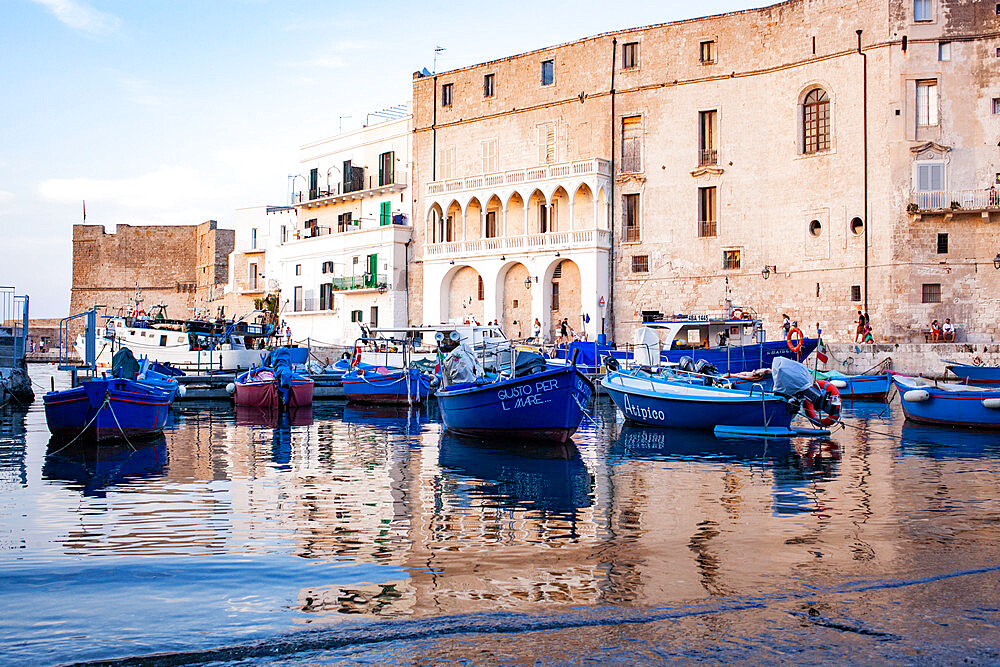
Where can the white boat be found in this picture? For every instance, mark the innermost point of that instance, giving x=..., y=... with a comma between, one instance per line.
x=484, y=339
x=196, y=345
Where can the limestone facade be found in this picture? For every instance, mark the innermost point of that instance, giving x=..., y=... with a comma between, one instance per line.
x=671, y=164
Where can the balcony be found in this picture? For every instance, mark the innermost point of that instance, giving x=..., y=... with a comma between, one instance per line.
x=519, y=176
x=708, y=157
x=948, y=201
x=550, y=241
x=371, y=186
x=363, y=282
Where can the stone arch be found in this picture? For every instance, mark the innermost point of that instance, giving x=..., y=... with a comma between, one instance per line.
x=472, y=219
x=602, y=207
x=451, y=226
x=514, y=300
x=562, y=297
x=583, y=207
x=515, y=214
x=537, y=204
x=493, y=218
x=460, y=295
x=559, y=210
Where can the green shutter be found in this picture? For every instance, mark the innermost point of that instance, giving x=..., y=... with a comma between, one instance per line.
x=386, y=213
x=372, y=269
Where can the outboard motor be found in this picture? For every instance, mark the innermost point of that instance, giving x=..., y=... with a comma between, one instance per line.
x=794, y=382
x=447, y=340
x=527, y=362
x=686, y=364
x=705, y=367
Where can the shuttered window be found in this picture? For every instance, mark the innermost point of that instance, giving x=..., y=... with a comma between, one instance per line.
x=385, y=213
x=927, y=103
x=547, y=143
x=489, y=149
x=930, y=176
x=632, y=144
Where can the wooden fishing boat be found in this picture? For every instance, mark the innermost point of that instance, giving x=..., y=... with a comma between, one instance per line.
x=107, y=409
x=947, y=403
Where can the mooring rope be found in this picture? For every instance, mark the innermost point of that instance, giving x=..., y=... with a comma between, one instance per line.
x=96, y=412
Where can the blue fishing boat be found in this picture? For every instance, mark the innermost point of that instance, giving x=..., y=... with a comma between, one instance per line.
x=547, y=405
x=952, y=404
x=387, y=386
x=666, y=398
x=161, y=376
x=868, y=387
x=972, y=374
x=106, y=409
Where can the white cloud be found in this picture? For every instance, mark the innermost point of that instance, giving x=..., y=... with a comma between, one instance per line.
x=80, y=16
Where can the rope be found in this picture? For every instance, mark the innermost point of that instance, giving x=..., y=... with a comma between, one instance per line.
x=111, y=408
x=97, y=412
x=583, y=410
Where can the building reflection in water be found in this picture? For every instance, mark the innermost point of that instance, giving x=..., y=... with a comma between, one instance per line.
x=13, y=472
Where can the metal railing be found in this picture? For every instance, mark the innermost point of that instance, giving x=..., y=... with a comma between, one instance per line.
x=547, y=241
x=706, y=228
x=968, y=200
x=13, y=327
x=369, y=183
x=366, y=281
x=708, y=157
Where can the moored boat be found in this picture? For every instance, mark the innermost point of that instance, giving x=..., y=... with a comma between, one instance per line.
x=947, y=403
x=107, y=409
x=865, y=387
x=546, y=405
x=973, y=374
x=386, y=386
x=274, y=385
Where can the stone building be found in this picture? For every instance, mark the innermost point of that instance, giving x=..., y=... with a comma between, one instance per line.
x=811, y=157
x=184, y=267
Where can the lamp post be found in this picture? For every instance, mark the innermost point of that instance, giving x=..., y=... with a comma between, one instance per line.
x=527, y=283
x=996, y=262
x=768, y=270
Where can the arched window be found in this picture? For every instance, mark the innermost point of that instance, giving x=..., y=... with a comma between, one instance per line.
x=816, y=121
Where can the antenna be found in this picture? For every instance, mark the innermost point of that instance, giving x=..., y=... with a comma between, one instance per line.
x=437, y=50
x=340, y=128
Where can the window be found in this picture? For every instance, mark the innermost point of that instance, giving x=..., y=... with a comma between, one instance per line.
x=326, y=296
x=555, y=296
x=482, y=289
x=815, y=228
x=632, y=144
x=548, y=72
x=373, y=320
x=931, y=293
x=706, y=212
x=630, y=222
x=996, y=105
x=447, y=93
x=930, y=176
x=386, y=168
x=630, y=55
x=857, y=226
x=816, y=121
x=385, y=213
x=298, y=269
x=447, y=163
x=491, y=224
x=922, y=10
x=547, y=217
x=298, y=298
x=547, y=143
x=253, y=275
x=489, y=85
x=707, y=138
x=489, y=148
x=253, y=238
x=356, y=316
x=942, y=244
x=927, y=103
x=944, y=51
x=640, y=263
x=730, y=259
x=284, y=233
x=855, y=292
x=707, y=52
x=344, y=222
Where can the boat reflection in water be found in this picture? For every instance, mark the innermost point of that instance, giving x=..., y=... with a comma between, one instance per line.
x=272, y=417
x=795, y=463
x=93, y=468
x=943, y=442
x=530, y=476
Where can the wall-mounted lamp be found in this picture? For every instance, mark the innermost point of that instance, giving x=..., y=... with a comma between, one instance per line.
x=996, y=262
x=768, y=270
x=527, y=283
x=557, y=253
x=503, y=258
x=452, y=262
x=382, y=288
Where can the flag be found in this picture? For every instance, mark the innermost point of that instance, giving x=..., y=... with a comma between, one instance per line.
x=821, y=351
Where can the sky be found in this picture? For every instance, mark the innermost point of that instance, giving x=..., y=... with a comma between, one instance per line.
x=181, y=111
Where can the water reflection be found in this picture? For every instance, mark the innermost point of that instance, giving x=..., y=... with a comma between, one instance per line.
x=13, y=472
x=93, y=468
x=945, y=442
x=272, y=417
x=544, y=477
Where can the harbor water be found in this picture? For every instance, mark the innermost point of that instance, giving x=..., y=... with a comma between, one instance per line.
x=354, y=535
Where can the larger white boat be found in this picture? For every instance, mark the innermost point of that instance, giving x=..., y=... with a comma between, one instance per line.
x=196, y=345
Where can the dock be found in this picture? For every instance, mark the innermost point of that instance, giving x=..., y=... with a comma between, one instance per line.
x=213, y=387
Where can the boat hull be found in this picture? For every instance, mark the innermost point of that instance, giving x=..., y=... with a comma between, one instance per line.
x=682, y=405
x=988, y=375
x=544, y=406
x=954, y=405
x=862, y=387
x=396, y=387
x=179, y=355
x=131, y=410
x=268, y=394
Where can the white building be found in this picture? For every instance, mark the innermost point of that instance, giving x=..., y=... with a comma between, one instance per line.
x=344, y=263
x=253, y=264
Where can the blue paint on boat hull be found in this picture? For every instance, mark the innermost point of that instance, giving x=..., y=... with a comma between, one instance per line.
x=365, y=385
x=132, y=410
x=734, y=359
x=952, y=408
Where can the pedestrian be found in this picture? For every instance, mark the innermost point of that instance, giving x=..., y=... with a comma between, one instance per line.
x=564, y=330
x=859, y=335
x=288, y=334
x=868, y=338
x=536, y=331
x=935, y=331
x=948, y=330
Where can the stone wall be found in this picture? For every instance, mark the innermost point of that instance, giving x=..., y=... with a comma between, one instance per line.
x=927, y=359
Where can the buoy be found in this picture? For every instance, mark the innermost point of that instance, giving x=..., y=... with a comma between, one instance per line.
x=794, y=347
x=839, y=384
x=231, y=388
x=916, y=396
x=181, y=390
x=993, y=403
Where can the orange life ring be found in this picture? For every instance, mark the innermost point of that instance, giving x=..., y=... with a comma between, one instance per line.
x=811, y=413
x=737, y=314
x=796, y=347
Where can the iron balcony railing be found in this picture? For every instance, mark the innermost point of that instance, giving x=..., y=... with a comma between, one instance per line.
x=366, y=281
x=708, y=157
x=355, y=188
x=968, y=200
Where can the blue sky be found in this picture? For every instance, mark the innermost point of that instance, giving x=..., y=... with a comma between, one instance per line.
x=180, y=111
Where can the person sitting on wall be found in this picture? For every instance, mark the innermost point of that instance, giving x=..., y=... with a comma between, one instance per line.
x=948, y=331
x=935, y=331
